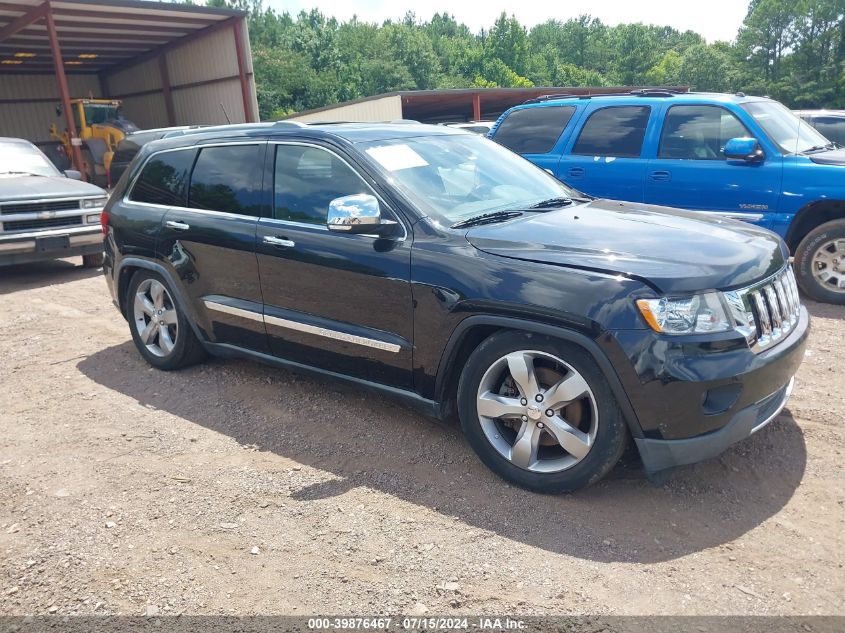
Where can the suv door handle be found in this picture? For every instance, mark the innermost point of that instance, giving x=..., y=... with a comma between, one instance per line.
x=660, y=176
x=281, y=242
x=576, y=172
x=176, y=224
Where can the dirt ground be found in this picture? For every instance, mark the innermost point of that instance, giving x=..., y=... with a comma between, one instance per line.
x=234, y=488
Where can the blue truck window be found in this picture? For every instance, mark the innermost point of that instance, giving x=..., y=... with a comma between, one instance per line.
x=616, y=131
x=533, y=130
x=698, y=132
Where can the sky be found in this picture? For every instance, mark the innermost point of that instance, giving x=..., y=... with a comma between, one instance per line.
x=714, y=19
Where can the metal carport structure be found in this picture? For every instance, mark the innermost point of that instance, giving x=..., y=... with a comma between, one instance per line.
x=170, y=64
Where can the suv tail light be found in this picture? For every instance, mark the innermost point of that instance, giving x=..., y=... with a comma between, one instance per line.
x=104, y=221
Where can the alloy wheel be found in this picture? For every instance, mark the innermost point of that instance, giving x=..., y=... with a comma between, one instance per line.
x=155, y=317
x=537, y=411
x=829, y=265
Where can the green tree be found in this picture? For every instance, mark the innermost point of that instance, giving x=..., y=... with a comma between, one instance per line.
x=666, y=72
x=790, y=49
x=635, y=51
x=411, y=48
x=507, y=42
x=706, y=68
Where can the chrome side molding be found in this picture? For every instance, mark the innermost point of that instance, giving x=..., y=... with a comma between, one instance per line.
x=303, y=327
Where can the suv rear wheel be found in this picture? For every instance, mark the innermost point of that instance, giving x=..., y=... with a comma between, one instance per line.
x=820, y=263
x=539, y=412
x=159, y=329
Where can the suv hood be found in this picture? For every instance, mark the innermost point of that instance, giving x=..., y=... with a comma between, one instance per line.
x=833, y=157
x=671, y=250
x=18, y=188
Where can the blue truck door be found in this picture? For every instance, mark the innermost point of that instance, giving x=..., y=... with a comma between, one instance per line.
x=690, y=171
x=605, y=157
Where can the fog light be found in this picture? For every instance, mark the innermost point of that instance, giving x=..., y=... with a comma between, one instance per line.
x=92, y=219
x=719, y=399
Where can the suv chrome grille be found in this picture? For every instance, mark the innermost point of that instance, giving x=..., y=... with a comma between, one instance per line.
x=767, y=311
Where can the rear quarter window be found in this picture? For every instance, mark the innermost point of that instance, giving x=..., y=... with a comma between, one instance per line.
x=164, y=178
x=614, y=131
x=533, y=130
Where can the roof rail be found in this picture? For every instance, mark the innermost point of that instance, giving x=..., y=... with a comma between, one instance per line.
x=655, y=92
x=289, y=123
x=562, y=95
x=642, y=92
x=229, y=127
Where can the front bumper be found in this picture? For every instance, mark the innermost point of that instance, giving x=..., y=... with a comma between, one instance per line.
x=718, y=400
x=22, y=248
x=660, y=455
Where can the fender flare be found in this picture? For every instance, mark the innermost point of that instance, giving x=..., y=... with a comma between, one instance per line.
x=176, y=288
x=798, y=225
x=572, y=336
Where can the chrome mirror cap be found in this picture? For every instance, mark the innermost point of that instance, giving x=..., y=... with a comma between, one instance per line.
x=359, y=213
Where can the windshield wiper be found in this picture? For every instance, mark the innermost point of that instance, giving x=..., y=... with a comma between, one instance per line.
x=486, y=218
x=819, y=148
x=19, y=173
x=552, y=202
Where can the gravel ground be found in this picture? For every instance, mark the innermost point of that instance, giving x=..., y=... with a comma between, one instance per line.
x=234, y=488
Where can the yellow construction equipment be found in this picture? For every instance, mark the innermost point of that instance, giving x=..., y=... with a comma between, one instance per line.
x=100, y=126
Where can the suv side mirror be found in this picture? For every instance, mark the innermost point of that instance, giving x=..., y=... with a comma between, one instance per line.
x=744, y=148
x=359, y=213
x=73, y=174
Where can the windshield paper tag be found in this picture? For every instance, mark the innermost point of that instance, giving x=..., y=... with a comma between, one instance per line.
x=396, y=157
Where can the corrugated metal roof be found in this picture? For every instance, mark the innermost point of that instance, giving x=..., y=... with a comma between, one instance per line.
x=456, y=104
x=101, y=35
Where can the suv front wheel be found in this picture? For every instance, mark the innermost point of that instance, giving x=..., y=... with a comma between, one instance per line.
x=539, y=412
x=159, y=328
x=820, y=263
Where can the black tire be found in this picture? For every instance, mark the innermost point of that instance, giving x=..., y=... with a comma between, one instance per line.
x=91, y=174
x=804, y=265
x=94, y=260
x=187, y=348
x=611, y=436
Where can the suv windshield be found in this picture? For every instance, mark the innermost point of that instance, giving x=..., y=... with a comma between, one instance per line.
x=24, y=158
x=460, y=176
x=785, y=129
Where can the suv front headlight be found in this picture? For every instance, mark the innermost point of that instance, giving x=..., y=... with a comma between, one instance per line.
x=698, y=314
x=94, y=203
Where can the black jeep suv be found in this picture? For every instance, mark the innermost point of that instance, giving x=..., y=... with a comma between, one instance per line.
x=437, y=266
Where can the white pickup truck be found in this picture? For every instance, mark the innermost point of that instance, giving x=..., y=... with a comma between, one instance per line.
x=45, y=214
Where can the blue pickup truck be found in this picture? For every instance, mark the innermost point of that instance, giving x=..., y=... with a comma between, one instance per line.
x=738, y=157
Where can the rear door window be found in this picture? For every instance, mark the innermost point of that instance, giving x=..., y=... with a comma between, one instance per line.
x=228, y=179
x=533, y=130
x=698, y=132
x=164, y=179
x=615, y=131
